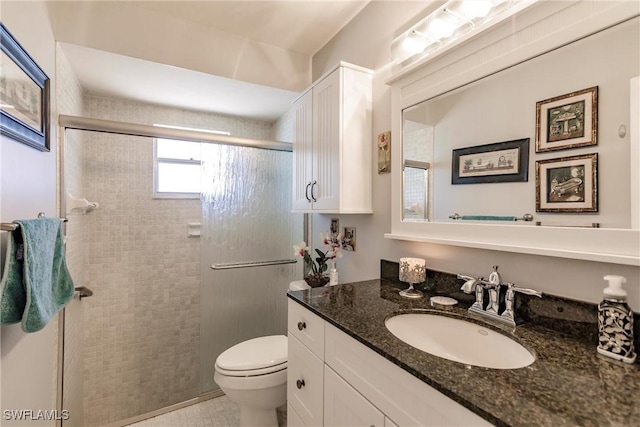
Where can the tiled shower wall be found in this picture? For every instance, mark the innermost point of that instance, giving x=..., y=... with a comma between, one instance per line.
x=142, y=325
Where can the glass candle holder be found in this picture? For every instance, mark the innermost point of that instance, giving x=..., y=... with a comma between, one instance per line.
x=412, y=271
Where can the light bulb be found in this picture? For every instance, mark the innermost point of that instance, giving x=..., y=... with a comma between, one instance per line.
x=411, y=45
x=441, y=28
x=476, y=8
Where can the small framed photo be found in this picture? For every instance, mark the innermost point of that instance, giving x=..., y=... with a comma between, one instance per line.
x=384, y=152
x=499, y=162
x=567, y=121
x=567, y=184
x=349, y=239
x=24, y=95
x=334, y=228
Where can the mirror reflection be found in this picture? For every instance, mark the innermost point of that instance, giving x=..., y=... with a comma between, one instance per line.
x=586, y=82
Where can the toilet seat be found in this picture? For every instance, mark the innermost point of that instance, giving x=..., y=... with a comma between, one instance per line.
x=258, y=356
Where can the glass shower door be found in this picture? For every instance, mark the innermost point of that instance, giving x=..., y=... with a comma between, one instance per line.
x=246, y=218
x=133, y=347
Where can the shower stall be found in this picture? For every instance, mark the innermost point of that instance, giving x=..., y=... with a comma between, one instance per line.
x=175, y=281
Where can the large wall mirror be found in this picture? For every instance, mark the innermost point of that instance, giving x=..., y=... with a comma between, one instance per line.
x=550, y=135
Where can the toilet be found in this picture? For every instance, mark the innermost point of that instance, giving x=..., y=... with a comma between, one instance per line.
x=253, y=374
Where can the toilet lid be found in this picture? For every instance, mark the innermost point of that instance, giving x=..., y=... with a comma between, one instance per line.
x=257, y=353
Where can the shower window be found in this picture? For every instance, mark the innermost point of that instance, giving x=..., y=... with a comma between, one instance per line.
x=176, y=169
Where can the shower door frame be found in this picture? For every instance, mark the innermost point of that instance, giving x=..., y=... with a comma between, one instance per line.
x=66, y=122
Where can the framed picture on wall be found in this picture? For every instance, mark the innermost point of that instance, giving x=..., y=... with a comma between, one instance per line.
x=24, y=95
x=384, y=152
x=567, y=121
x=567, y=184
x=499, y=162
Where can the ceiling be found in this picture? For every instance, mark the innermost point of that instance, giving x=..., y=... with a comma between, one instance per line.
x=277, y=30
x=111, y=75
x=299, y=25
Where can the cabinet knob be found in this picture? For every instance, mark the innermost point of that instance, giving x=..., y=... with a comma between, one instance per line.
x=301, y=325
x=300, y=384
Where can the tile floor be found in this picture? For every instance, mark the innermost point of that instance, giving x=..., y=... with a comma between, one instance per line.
x=217, y=412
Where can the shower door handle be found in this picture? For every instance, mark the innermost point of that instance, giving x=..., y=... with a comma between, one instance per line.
x=306, y=192
x=83, y=291
x=312, y=187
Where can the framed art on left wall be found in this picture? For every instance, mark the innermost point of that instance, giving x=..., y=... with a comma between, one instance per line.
x=24, y=95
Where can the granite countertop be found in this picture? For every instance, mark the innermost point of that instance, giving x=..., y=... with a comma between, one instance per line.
x=568, y=384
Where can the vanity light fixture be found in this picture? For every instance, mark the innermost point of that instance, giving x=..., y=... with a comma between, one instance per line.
x=451, y=24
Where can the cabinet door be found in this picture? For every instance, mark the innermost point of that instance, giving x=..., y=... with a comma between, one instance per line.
x=302, y=153
x=306, y=327
x=401, y=396
x=389, y=423
x=345, y=407
x=293, y=420
x=326, y=143
x=304, y=383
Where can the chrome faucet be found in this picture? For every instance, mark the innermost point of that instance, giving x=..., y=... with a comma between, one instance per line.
x=493, y=285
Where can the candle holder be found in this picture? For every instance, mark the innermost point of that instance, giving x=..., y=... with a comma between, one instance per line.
x=412, y=271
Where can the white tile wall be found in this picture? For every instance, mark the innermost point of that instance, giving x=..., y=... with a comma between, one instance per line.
x=142, y=325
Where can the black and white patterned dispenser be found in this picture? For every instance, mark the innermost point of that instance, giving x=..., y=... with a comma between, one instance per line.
x=615, y=322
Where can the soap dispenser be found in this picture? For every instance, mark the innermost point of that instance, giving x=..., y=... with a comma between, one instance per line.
x=615, y=322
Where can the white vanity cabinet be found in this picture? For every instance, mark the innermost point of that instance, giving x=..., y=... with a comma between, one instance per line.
x=305, y=367
x=344, y=406
x=332, y=151
x=357, y=387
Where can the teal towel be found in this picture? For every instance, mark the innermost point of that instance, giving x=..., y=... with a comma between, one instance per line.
x=47, y=284
x=13, y=298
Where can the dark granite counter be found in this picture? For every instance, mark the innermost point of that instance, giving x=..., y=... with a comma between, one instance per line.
x=569, y=384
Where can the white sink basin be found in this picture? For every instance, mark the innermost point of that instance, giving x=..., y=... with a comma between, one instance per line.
x=459, y=340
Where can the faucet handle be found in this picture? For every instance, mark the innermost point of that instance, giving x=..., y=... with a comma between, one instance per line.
x=470, y=283
x=512, y=288
x=509, y=299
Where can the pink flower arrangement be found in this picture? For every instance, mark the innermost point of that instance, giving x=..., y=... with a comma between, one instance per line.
x=319, y=266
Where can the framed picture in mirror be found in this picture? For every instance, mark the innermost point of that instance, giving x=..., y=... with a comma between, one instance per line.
x=506, y=161
x=567, y=184
x=567, y=121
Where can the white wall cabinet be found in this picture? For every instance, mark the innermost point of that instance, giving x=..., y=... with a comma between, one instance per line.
x=348, y=384
x=332, y=151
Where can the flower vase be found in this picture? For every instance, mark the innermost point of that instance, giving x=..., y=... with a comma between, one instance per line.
x=333, y=274
x=316, y=280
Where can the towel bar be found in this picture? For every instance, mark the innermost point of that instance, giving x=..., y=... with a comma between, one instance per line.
x=9, y=226
x=525, y=217
x=229, y=265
